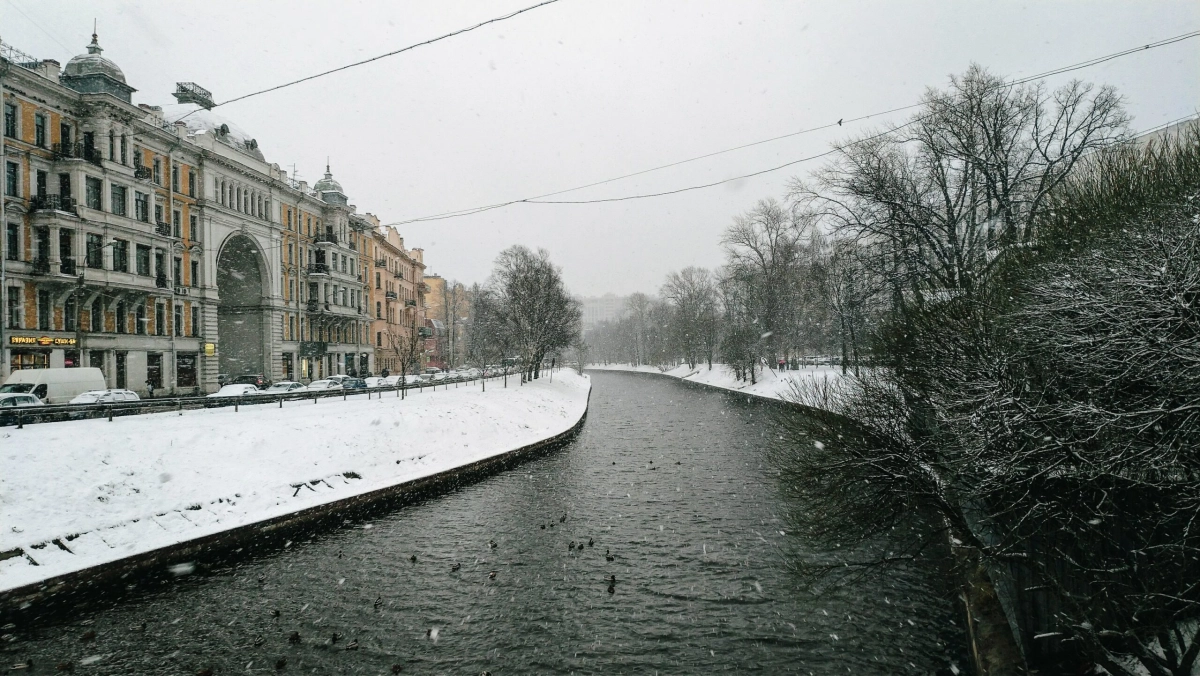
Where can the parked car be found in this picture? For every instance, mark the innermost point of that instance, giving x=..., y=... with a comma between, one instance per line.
x=375, y=381
x=322, y=385
x=283, y=387
x=354, y=384
x=338, y=378
x=238, y=390
x=438, y=377
x=390, y=381
x=256, y=379
x=54, y=386
x=13, y=400
x=105, y=397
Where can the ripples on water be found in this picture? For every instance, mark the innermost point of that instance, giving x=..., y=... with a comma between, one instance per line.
x=671, y=479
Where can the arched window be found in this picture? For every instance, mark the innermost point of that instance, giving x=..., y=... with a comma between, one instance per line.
x=97, y=318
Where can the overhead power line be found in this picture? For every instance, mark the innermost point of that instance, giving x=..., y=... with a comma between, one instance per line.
x=540, y=199
x=384, y=56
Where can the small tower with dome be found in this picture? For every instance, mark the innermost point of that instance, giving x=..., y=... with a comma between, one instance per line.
x=91, y=73
x=329, y=189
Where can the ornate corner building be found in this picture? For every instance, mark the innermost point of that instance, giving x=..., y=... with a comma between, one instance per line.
x=158, y=244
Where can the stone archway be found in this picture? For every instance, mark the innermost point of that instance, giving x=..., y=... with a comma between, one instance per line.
x=241, y=321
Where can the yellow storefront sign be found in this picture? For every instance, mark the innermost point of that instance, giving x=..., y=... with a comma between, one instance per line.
x=41, y=341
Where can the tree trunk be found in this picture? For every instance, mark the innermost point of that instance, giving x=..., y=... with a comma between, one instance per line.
x=991, y=640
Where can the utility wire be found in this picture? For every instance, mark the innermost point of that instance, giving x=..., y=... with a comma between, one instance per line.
x=539, y=199
x=383, y=56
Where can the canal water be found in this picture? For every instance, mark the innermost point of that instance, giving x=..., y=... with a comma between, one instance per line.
x=671, y=481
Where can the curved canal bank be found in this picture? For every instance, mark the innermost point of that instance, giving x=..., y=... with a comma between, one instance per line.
x=227, y=478
x=672, y=481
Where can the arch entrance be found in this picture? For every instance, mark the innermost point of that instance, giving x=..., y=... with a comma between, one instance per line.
x=241, y=320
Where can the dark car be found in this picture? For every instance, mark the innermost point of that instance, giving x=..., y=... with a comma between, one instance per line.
x=256, y=379
x=354, y=384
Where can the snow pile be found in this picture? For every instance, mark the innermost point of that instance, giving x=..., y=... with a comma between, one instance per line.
x=78, y=494
x=771, y=384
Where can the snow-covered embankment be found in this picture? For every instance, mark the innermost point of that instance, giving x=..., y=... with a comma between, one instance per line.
x=770, y=384
x=76, y=495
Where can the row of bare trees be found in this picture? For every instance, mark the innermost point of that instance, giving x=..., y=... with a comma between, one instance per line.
x=1031, y=399
x=1019, y=279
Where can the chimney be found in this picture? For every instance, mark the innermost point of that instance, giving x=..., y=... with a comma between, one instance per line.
x=49, y=69
x=181, y=128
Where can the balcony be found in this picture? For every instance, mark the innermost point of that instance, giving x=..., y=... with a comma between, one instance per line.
x=67, y=267
x=410, y=303
x=390, y=295
x=161, y=281
x=317, y=269
x=398, y=274
x=53, y=203
x=163, y=229
x=381, y=262
x=143, y=173
x=77, y=151
x=316, y=306
x=327, y=238
x=41, y=266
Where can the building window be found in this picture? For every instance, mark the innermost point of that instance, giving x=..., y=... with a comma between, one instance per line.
x=118, y=205
x=141, y=206
x=14, y=307
x=160, y=319
x=95, y=251
x=178, y=316
x=97, y=317
x=120, y=255
x=158, y=214
x=175, y=177
x=139, y=320
x=92, y=188
x=124, y=147
x=39, y=130
x=289, y=250
x=193, y=227
x=42, y=179
x=191, y=183
x=185, y=369
x=195, y=320
x=112, y=146
x=378, y=310
x=70, y=313
x=195, y=279
x=11, y=172
x=122, y=318
x=12, y=242
x=158, y=171
x=177, y=223
x=43, y=309
x=10, y=120
x=376, y=279
x=143, y=260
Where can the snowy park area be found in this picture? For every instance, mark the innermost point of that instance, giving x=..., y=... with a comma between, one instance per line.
x=770, y=384
x=82, y=493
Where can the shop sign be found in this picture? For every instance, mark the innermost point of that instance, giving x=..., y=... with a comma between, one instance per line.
x=41, y=341
x=210, y=349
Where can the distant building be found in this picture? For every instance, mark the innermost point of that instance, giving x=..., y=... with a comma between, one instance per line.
x=601, y=308
x=396, y=300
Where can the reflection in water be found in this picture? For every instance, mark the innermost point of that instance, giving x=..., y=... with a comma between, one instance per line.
x=671, y=480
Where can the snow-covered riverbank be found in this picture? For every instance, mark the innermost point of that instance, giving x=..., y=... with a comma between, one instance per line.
x=771, y=384
x=74, y=495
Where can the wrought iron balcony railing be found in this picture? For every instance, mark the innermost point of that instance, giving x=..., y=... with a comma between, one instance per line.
x=53, y=203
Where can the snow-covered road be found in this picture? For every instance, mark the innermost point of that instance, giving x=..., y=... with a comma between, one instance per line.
x=78, y=494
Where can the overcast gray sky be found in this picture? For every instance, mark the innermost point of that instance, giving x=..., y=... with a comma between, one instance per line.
x=583, y=90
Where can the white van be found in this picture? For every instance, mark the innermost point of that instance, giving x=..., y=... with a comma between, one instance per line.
x=54, y=386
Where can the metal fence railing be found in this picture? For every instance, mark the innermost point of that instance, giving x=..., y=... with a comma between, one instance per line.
x=30, y=415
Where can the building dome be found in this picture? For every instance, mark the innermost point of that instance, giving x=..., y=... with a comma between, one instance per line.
x=329, y=189
x=93, y=64
x=327, y=184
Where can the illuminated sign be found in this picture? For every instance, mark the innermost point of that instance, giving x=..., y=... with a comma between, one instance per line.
x=210, y=349
x=41, y=341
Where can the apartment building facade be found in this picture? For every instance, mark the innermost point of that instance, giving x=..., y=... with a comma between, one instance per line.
x=397, y=301
x=158, y=244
